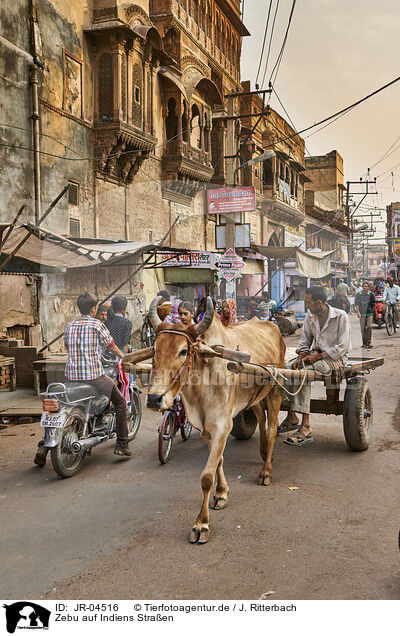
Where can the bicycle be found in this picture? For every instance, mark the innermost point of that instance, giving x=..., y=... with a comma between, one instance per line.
x=174, y=420
x=389, y=320
x=147, y=334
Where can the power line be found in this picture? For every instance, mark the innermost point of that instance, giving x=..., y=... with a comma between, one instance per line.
x=119, y=154
x=343, y=110
x=385, y=155
x=264, y=40
x=279, y=58
x=270, y=43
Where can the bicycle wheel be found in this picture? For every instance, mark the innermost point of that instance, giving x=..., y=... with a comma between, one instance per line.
x=186, y=429
x=165, y=437
x=134, y=414
x=146, y=336
x=389, y=321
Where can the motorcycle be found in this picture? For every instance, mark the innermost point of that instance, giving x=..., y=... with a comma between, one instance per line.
x=77, y=417
x=379, y=311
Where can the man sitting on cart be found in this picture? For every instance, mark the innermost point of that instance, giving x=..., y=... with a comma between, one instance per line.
x=323, y=346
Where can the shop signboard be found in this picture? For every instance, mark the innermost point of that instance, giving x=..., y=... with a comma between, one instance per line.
x=230, y=265
x=204, y=260
x=396, y=247
x=294, y=237
x=228, y=200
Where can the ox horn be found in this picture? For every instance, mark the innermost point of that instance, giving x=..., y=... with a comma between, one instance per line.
x=153, y=315
x=207, y=319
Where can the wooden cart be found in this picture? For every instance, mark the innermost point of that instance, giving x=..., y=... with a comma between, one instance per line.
x=356, y=407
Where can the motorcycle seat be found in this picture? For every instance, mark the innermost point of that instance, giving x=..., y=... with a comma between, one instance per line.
x=81, y=390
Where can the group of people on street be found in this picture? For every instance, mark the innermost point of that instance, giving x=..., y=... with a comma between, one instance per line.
x=364, y=304
x=98, y=329
x=263, y=309
x=324, y=346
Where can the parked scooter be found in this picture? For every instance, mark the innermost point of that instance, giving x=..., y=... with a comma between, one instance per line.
x=77, y=418
x=379, y=312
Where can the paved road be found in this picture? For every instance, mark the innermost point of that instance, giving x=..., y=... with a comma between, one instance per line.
x=119, y=529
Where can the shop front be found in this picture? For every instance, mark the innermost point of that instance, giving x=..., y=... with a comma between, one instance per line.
x=190, y=276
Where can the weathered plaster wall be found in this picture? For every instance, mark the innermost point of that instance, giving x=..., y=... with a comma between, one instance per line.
x=16, y=301
x=59, y=293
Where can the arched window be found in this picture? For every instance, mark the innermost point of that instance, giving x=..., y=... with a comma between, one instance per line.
x=185, y=123
x=195, y=14
x=217, y=32
x=209, y=21
x=292, y=183
x=206, y=133
x=171, y=120
x=195, y=135
x=106, y=89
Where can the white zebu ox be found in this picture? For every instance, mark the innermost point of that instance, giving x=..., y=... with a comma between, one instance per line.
x=212, y=395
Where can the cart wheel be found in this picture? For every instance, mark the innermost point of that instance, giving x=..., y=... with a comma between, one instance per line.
x=358, y=414
x=244, y=425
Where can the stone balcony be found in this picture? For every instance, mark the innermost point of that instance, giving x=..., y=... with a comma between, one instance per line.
x=120, y=149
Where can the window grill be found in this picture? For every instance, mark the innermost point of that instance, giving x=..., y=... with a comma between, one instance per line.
x=73, y=193
x=74, y=228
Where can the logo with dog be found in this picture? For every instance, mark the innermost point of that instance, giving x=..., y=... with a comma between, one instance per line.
x=26, y=615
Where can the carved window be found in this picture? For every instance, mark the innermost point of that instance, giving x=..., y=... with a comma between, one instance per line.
x=171, y=43
x=195, y=132
x=195, y=14
x=106, y=87
x=185, y=124
x=123, y=87
x=268, y=175
x=149, y=102
x=206, y=133
x=137, y=85
x=171, y=120
x=209, y=21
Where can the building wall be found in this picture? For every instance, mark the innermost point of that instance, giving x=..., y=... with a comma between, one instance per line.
x=326, y=176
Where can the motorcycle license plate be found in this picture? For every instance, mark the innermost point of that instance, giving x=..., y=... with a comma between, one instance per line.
x=53, y=419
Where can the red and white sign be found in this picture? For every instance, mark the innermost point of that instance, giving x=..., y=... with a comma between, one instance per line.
x=227, y=200
x=230, y=265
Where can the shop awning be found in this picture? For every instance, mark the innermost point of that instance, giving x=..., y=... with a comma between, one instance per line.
x=309, y=264
x=275, y=252
x=53, y=250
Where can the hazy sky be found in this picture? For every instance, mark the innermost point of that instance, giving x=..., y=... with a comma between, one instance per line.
x=337, y=52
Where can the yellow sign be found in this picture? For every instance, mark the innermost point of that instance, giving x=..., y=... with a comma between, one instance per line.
x=396, y=247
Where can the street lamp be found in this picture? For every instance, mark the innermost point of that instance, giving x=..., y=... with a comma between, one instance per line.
x=268, y=154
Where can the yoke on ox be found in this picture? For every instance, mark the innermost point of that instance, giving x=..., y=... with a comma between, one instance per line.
x=187, y=360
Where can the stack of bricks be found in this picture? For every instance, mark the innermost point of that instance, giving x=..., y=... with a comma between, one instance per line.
x=7, y=373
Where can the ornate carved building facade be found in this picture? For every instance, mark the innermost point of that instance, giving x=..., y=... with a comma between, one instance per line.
x=131, y=113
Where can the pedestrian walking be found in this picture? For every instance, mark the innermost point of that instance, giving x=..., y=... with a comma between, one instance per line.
x=342, y=294
x=364, y=303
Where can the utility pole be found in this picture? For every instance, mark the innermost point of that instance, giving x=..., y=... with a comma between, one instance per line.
x=349, y=216
x=230, y=180
x=36, y=70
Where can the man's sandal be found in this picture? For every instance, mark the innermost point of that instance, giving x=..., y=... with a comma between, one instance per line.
x=298, y=439
x=286, y=426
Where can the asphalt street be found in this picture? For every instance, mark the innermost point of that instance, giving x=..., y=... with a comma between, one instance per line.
x=119, y=529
